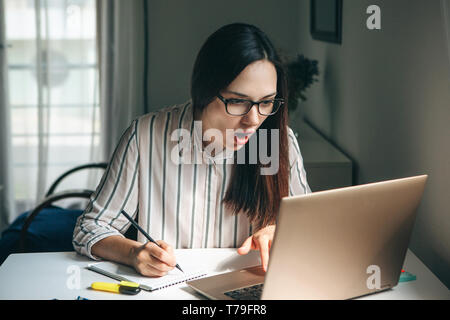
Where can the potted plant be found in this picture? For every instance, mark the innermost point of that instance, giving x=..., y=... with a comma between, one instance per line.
x=301, y=73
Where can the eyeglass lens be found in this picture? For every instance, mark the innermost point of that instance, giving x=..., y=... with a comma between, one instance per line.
x=241, y=107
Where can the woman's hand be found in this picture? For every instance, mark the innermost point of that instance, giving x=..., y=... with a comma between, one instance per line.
x=262, y=241
x=153, y=261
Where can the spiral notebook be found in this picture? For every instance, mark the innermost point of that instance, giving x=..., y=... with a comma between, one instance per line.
x=173, y=277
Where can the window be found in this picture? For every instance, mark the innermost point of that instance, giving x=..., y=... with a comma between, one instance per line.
x=53, y=91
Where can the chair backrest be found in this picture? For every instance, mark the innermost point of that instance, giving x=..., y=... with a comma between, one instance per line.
x=99, y=165
x=52, y=197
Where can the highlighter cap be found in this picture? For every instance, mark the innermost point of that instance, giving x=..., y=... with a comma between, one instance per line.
x=125, y=287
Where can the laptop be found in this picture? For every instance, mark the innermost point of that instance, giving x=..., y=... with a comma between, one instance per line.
x=336, y=244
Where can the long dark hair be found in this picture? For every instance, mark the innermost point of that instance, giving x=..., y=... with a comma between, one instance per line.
x=220, y=60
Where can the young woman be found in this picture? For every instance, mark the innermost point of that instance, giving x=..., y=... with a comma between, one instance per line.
x=238, y=91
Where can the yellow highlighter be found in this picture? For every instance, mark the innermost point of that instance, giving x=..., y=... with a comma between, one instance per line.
x=125, y=287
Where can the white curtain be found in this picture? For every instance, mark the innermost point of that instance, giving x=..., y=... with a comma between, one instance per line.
x=53, y=98
x=123, y=54
x=5, y=160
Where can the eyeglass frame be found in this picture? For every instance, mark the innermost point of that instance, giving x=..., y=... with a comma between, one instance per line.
x=226, y=101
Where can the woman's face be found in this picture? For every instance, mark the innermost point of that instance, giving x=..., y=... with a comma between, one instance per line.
x=258, y=81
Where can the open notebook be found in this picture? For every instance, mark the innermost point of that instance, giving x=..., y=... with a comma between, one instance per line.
x=173, y=277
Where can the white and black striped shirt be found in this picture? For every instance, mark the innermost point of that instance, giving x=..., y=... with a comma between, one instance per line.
x=178, y=203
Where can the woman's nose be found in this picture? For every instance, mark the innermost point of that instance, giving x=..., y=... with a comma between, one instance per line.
x=252, y=117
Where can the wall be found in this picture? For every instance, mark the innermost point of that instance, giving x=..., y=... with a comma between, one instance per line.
x=384, y=99
x=177, y=30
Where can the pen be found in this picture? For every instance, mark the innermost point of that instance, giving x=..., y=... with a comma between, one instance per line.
x=145, y=234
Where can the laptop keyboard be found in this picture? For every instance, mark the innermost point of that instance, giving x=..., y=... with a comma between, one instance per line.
x=247, y=293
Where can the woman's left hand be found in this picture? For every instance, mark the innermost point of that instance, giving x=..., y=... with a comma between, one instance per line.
x=262, y=241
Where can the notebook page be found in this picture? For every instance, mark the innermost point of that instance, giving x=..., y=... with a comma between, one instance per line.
x=173, y=277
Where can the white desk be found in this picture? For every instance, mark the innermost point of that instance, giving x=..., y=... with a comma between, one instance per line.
x=46, y=276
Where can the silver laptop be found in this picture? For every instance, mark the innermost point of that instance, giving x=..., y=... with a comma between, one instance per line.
x=335, y=244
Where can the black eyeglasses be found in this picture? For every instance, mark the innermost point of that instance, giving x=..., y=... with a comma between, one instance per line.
x=240, y=107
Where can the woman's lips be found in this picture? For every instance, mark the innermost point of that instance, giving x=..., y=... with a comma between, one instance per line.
x=241, y=137
x=241, y=141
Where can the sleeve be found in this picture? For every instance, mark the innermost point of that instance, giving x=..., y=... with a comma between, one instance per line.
x=298, y=183
x=117, y=191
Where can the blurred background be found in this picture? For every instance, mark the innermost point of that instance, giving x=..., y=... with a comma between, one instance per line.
x=369, y=104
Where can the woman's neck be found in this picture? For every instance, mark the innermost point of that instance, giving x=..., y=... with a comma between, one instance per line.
x=198, y=116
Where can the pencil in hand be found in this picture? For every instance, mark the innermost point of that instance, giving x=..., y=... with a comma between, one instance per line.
x=137, y=226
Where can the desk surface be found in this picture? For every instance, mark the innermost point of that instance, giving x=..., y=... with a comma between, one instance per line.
x=50, y=276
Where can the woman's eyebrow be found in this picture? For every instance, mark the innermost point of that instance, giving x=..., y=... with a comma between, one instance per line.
x=245, y=96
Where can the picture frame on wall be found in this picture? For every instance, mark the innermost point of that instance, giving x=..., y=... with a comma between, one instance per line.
x=326, y=20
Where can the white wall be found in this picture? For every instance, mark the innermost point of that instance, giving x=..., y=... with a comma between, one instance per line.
x=177, y=30
x=384, y=98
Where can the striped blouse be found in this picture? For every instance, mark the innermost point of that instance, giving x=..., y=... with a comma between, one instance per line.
x=178, y=203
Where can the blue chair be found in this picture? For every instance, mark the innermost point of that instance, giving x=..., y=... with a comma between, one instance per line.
x=50, y=231
x=48, y=228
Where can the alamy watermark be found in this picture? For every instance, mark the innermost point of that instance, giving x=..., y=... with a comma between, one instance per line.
x=374, y=280
x=374, y=20
x=73, y=281
x=180, y=153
